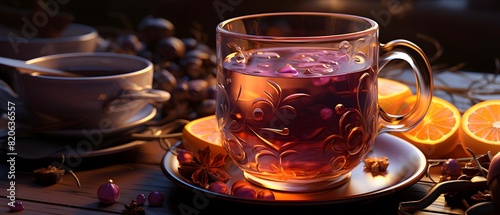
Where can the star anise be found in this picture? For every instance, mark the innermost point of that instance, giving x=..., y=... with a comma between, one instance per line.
x=205, y=169
x=133, y=209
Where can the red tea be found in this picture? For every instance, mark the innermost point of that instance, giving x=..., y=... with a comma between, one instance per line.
x=297, y=112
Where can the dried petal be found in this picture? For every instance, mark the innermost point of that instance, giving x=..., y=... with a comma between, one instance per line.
x=187, y=169
x=203, y=156
x=217, y=174
x=200, y=177
x=218, y=161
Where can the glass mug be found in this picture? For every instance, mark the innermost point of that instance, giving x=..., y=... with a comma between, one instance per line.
x=297, y=95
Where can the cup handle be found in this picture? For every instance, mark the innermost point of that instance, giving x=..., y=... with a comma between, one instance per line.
x=149, y=94
x=152, y=95
x=416, y=58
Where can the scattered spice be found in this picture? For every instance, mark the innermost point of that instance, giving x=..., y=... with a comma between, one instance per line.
x=204, y=169
x=484, y=196
x=376, y=165
x=48, y=176
x=133, y=209
x=52, y=175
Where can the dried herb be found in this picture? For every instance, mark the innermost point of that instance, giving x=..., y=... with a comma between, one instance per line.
x=133, y=209
x=204, y=168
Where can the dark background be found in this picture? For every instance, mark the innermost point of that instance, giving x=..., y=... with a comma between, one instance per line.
x=467, y=31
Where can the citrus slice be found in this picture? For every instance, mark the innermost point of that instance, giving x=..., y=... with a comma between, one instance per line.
x=438, y=132
x=200, y=133
x=391, y=94
x=480, y=130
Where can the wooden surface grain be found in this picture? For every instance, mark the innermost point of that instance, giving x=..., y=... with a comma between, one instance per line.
x=138, y=171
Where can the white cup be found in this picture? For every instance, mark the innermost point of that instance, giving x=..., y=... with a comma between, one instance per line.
x=112, y=89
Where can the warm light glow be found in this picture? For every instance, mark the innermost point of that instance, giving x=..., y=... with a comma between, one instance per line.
x=238, y=115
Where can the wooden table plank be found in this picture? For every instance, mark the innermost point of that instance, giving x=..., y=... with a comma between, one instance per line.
x=133, y=179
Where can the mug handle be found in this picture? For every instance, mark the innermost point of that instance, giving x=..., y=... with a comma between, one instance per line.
x=416, y=58
x=152, y=95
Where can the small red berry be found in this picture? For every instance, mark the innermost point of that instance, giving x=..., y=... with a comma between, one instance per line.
x=140, y=199
x=16, y=206
x=452, y=168
x=155, y=198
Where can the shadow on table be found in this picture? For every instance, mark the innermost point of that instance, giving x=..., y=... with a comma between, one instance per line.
x=187, y=202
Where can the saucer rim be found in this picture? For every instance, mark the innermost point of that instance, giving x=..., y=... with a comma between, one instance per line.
x=114, y=130
x=107, y=150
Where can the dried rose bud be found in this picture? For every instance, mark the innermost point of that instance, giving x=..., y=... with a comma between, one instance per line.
x=155, y=198
x=452, y=168
x=218, y=187
x=108, y=193
x=266, y=194
x=184, y=156
x=140, y=199
x=16, y=206
x=243, y=189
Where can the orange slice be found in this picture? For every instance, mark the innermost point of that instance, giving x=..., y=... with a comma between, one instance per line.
x=200, y=133
x=391, y=94
x=438, y=133
x=480, y=130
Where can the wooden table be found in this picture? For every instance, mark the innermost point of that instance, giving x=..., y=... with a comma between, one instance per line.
x=138, y=171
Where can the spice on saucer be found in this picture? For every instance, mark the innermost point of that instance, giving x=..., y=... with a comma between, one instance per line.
x=376, y=165
x=204, y=169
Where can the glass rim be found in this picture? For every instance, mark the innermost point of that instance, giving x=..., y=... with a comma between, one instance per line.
x=373, y=27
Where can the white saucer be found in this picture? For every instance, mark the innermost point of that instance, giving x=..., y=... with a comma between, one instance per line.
x=407, y=166
x=144, y=115
x=71, y=143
